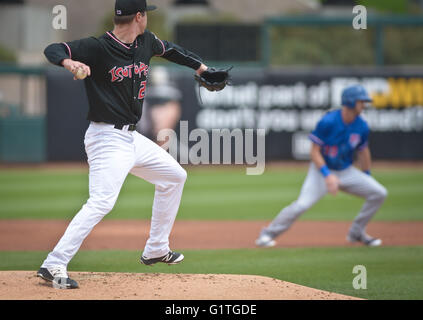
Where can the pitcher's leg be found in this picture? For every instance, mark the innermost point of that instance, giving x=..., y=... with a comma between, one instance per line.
x=109, y=166
x=158, y=167
x=313, y=189
x=358, y=183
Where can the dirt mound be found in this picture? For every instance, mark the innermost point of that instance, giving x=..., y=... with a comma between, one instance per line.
x=24, y=285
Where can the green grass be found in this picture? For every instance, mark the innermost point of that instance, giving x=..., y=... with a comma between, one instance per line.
x=228, y=193
x=392, y=272
x=210, y=193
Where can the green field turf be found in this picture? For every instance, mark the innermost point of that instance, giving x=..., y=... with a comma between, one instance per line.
x=392, y=272
x=210, y=193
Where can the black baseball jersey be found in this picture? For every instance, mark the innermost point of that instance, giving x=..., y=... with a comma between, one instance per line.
x=118, y=81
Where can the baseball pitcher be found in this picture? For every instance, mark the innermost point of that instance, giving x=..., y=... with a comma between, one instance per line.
x=337, y=136
x=115, y=68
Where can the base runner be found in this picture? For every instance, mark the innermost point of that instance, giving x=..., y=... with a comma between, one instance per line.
x=334, y=141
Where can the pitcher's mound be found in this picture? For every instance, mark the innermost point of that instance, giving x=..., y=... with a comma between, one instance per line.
x=24, y=285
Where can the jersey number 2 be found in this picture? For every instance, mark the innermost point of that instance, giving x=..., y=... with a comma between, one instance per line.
x=141, y=93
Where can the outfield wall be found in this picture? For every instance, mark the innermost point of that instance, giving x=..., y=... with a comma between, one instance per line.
x=287, y=103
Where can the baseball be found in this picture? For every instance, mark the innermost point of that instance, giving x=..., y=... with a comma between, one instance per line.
x=80, y=74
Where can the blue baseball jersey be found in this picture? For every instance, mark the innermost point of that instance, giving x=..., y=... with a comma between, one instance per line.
x=339, y=140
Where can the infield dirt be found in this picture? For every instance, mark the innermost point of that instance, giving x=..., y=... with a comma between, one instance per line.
x=132, y=234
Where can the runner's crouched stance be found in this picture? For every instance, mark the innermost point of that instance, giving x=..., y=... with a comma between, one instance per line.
x=338, y=135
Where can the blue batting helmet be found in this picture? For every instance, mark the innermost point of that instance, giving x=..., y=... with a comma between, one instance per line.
x=353, y=94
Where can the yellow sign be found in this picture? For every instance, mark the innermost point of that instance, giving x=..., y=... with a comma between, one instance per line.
x=402, y=93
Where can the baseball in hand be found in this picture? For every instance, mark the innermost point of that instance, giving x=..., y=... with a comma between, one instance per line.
x=80, y=73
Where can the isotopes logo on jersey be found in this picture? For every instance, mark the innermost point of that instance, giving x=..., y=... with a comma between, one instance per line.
x=120, y=73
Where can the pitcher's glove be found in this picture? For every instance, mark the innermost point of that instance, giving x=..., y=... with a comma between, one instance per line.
x=214, y=79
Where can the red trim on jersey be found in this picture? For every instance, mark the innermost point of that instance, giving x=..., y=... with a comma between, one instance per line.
x=117, y=40
x=164, y=49
x=70, y=52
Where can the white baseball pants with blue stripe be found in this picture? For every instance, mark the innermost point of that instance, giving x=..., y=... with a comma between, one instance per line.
x=351, y=180
x=112, y=154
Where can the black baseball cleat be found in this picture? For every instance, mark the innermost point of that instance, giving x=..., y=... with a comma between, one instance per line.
x=170, y=258
x=58, y=277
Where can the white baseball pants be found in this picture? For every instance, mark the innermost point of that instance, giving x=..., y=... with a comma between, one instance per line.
x=351, y=180
x=112, y=154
